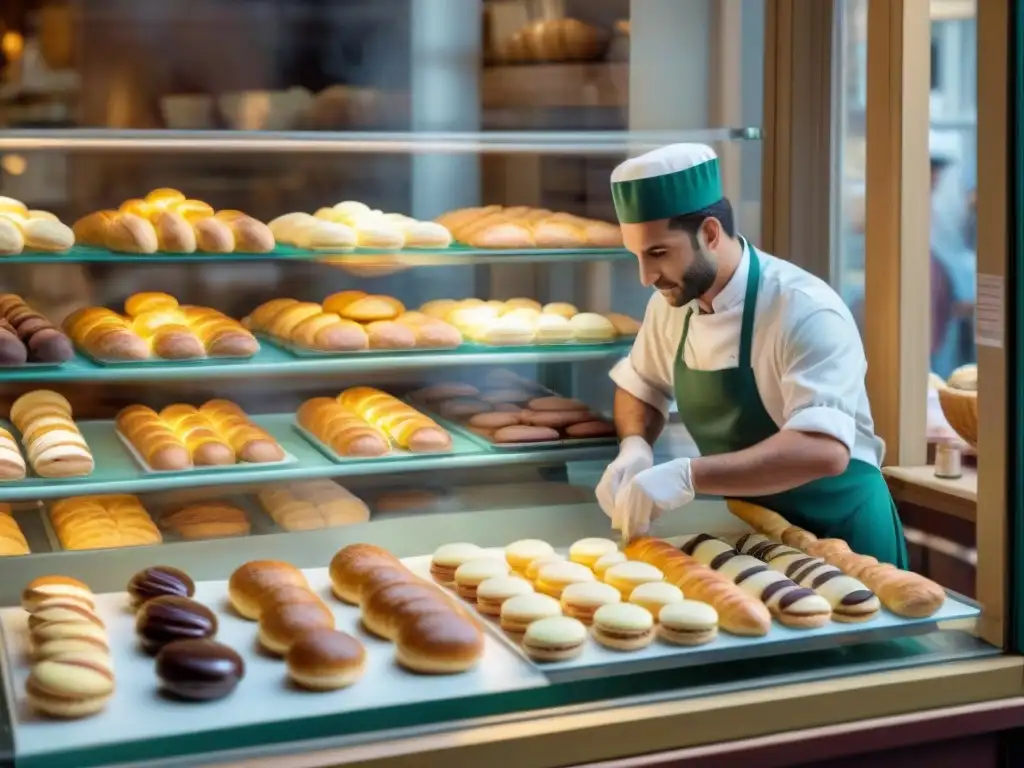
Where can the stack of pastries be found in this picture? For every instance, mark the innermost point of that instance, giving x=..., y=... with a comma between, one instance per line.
x=513, y=413
x=103, y=522
x=312, y=504
x=156, y=325
x=350, y=223
x=166, y=221
x=351, y=321
x=12, y=539
x=25, y=230
x=431, y=632
x=12, y=463
x=72, y=670
x=27, y=336
x=53, y=443
x=206, y=520
x=180, y=436
x=365, y=422
x=296, y=624
x=496, y=226
x=526, y=321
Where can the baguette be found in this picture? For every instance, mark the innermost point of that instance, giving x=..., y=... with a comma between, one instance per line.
x=738, y=612
x=905, y=593
x=791, y=604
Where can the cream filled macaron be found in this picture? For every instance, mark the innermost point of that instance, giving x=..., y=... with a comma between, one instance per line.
x=623, y=627
x=655, y=595
x=589, y=551
x=627, y=576
x=607, y=561
x=517, y=613
x=492, y=594
x=555, y=577
x=471, y=575
x=520, y=554
x=555, y=639
x=687, y=622
x=581, y=600
x=535, y=565
x=448, y=557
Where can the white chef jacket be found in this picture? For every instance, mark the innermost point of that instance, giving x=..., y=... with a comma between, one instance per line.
x=807, y=355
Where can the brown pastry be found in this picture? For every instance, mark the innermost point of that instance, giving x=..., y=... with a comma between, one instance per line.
x=439, y=643
x=350, y=566
x=174, y=233
x=251, y=581
x=213, y=236
x=284, y=623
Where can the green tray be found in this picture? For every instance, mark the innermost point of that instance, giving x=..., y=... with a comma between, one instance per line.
x=274, y=361
x=117, y=472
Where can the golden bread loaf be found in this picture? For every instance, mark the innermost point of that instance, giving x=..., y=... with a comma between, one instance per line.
x=312, y=504
x=22, y=229
x=103, y=522
x=341, y=429
x=206, y=520
x=404, y=425
x=524, y=227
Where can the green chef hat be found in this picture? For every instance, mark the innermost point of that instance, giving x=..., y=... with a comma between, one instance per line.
x=666, y=182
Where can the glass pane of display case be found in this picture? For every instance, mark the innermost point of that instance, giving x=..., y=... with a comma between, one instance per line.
x=286, y=280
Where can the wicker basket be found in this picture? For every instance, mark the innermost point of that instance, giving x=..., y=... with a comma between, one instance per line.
x=960, y=408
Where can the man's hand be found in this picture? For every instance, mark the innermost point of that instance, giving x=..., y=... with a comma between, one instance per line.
x=656, y=490
x=635, y=455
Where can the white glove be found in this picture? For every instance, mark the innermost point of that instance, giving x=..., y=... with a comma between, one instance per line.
x=654, y=491
x=635, y=455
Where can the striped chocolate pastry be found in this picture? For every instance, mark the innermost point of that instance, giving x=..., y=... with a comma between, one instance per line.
x=790, y=603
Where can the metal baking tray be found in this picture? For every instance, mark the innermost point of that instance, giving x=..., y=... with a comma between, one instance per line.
x=247, y=465
x=598, y=661
x=144, y=726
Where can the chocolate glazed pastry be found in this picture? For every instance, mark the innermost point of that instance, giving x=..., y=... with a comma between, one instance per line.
x=199, y=670
x=163, y=620
x=159, y=581
x=43, y=343
x=12, y=351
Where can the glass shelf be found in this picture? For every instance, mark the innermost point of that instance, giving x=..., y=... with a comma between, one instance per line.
x=355, y=257
x=271, y=361
x=117, y=472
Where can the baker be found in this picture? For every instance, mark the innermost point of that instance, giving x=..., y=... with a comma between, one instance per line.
x=763, y=360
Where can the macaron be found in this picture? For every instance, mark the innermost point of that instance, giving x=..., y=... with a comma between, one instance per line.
x=589, y=551
x=623, y=627
x=655, y=595
x=448, y=557
x=520, y=554
x=492, y=594
x=581, y=600
x=688, y=622
x=535, y=565
x=627, y=576
x=607, y=561
x=558, y=638
x=472, y=574
x=555, y=577
x=517, y=613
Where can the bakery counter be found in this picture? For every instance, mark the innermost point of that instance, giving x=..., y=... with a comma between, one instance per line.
x=272, y=361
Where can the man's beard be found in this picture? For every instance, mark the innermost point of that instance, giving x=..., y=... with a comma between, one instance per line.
x=697, y=280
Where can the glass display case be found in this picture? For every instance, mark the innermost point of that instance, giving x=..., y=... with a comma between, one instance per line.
x=351, y=276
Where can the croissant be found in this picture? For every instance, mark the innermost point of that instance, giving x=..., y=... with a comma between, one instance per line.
x=738, y=612
x=409, y=428
x=903, y=592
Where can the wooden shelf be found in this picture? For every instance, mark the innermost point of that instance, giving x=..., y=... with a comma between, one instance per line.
x=588, y=85
x=920, y=486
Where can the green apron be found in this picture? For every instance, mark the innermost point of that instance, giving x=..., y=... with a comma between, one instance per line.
x=722, y=411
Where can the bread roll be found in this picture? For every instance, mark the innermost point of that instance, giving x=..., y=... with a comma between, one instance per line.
x=384, y=334
x=213, y=236
x=624, y=324
x=342, y=429
x=174, y=233
x=368, y=309
x=92, y=229
x=192, y=210
x=12, y=241
x=130, y=233
x=163, y=198
x=251, y=236
x=283, y=228
x=47, y=235
x=406, y=426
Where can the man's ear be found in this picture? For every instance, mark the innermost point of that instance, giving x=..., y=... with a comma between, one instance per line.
x=709, y=234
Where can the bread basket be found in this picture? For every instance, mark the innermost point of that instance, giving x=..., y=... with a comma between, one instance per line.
x=959, y=401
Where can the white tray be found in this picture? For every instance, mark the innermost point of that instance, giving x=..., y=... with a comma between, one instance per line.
x=137, y=712
x=394, y=453
x=598, y=661
x=246, y=465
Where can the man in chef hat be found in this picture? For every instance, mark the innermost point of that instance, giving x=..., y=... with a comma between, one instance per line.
x=763, y=360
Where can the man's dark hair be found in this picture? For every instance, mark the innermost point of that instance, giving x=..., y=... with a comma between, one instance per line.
x=690, y=222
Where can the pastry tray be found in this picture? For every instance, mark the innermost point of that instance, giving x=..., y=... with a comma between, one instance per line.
x=218, y=468
x=461, y=446
x=597, y=661
x=197, y=362
x=56, y=546
x=145, y=726
x=299, y=351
